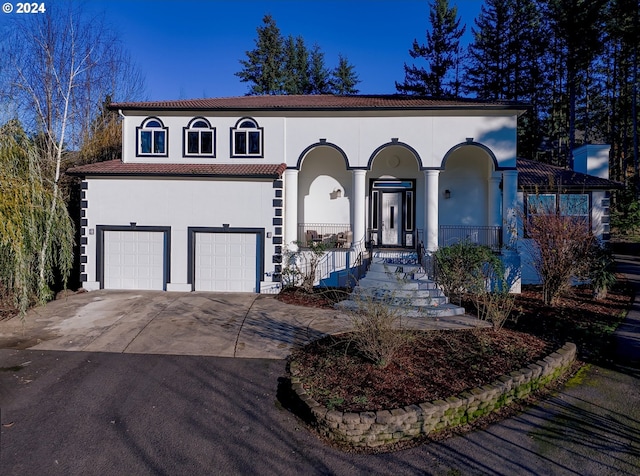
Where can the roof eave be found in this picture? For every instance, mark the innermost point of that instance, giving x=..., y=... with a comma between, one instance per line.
x=82, y=174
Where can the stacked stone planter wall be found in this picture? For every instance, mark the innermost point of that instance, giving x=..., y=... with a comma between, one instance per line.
x=386, y=427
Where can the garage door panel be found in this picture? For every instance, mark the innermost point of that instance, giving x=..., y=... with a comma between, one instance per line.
x=225, y=262
x=133, y=260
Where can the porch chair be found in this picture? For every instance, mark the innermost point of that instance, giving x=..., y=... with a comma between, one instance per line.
x=311, y=236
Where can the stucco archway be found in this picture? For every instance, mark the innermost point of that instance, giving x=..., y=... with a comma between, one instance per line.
x=469, y=196
x=324, y=192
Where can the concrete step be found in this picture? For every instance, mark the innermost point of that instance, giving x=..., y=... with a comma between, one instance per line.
x=443, y=310
x=399, y=285
x=400, y=293
x=395, y=279
x=396, y=268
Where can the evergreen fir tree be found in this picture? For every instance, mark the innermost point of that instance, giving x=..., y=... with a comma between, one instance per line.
x=319, y=75
x=616, y=114
x=576, y=26
x=296, y=67
x=286, y=66
x=489, y=66
x=263, y=66
x=442, y=53
x=344, y=78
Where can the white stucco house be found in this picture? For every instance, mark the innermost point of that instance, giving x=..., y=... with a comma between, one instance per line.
x=210, y=193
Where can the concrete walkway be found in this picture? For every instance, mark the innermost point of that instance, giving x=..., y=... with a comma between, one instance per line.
x=209, y=324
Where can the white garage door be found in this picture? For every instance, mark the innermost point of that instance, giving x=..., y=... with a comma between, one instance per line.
x=225, y=262
x=133, y=260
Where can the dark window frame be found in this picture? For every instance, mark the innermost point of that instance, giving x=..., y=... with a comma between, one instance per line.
x=153, y=131
x=242, y=133
x=192, y=128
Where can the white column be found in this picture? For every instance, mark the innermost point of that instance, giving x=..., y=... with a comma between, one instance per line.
x=495, y=199
x=359, y=206
x=431, y=178
x=290, y=208
x=509, y=208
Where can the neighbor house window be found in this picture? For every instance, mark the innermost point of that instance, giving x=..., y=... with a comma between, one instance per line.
x=199, y=139
x=246, y=139
x=152, y=138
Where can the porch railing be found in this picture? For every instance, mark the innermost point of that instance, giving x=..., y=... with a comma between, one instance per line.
x=490, y=236
x=332, y=235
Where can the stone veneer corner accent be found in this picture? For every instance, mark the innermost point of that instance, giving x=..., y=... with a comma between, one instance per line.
x=386, y=427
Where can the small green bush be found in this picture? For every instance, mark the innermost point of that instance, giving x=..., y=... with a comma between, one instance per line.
x=601, y=270
x=466, y=267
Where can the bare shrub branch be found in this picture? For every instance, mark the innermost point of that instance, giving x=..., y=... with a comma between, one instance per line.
x=559, y=245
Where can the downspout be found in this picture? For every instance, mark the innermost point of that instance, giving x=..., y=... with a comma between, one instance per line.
x=122, y=134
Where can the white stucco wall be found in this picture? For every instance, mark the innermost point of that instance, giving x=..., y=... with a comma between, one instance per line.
x=178, y=203
x=466, y=176
x=358, y=135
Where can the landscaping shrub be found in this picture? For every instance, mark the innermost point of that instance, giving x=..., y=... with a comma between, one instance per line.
x=601, y=270
x=377, y=330
x=466, y=267
x=495, y=306
x=300, y=266
x=559, y=244
x=475, y=271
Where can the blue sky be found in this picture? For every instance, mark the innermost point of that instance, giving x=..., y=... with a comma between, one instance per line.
x=191, y=49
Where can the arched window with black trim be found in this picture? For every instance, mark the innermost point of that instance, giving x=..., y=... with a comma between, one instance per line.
x=246, y=139
x=199, y=138
x=152, y=138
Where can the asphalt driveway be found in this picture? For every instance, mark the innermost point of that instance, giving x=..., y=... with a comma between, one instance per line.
x=96, y=413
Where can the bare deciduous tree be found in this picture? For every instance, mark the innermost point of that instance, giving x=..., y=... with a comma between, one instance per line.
x=58, y=69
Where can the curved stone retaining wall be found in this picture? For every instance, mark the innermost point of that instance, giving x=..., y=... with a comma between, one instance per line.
x=386, y=427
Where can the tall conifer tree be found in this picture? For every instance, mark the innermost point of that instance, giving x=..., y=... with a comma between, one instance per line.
x=344, y=78
x=263, y=66
x=319, y=75
x=576, y=26
x=489, y=66
x=286, y=66
x=441, y=52
x=296, y=67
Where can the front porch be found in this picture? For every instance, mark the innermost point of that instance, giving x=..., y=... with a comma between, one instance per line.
x=340, y=235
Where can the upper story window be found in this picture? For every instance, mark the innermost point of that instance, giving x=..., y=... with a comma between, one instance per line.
x=199, y=139
x=152, y=138
x=246, y=139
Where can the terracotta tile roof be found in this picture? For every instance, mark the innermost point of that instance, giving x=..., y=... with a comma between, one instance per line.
x=317, y=102
x=119, y=168
x=536, y=175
